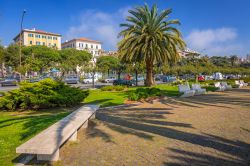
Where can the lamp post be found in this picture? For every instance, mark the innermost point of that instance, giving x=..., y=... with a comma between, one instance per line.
x=20, y=39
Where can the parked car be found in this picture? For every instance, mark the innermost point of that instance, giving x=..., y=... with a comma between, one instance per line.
x=124, y=82
x=89, y=80
x=110, y=80
x=158, y=77
x=217, y=76
x=71, y=80
x=168, y=78
x=9, y=82
x=201, y=78
x=139, y=79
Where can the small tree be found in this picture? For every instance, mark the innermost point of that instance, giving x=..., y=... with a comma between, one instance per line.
x=107, y=63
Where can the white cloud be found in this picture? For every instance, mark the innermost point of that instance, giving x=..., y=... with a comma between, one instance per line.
x=221, y=41
x=99, y=25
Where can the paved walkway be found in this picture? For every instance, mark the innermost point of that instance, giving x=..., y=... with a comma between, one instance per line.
x=213, y=129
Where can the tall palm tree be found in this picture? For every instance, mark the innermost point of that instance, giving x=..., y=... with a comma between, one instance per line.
x=149, y=36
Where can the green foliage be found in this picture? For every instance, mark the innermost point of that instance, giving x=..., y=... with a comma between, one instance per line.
x=144, y=93
x=38, y=58
x=113, y=88
x=44, y=94
x=70, y=58
x=11, y=56
x=105, y=63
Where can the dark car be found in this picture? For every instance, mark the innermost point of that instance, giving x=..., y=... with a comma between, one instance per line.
x=168, y=78
x=9, y=82
x=124, y=82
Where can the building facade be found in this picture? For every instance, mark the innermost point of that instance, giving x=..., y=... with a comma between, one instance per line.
x=30, y=37
x=93, y=46
x=188, y=53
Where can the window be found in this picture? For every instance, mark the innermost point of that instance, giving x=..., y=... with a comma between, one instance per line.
x=44, y=37
x=37, y=36
x=49, y=37
x=38, y=43
x=44, y=43
x=79, y=44
x=86, y=46
x=30, y=42
x=91, y=46
x=96, y=52
x=30, y=35
x=55, y=44
x=96, y=47
x=54, y=38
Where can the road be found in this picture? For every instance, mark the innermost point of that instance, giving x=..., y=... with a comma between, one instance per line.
x=82, y=86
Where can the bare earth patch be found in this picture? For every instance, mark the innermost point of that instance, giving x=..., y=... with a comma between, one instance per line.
x=213, y=129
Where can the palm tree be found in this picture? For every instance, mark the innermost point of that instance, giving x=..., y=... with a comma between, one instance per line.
x=148, y=36
x=233, y=59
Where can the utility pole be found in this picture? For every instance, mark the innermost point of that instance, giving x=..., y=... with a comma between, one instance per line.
x=20, y=41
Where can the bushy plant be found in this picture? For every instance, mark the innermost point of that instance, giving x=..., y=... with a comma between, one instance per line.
x=44, y=94
x=143, y=93
x=113, y=88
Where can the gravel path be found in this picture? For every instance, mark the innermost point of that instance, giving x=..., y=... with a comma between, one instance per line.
x=212, y=129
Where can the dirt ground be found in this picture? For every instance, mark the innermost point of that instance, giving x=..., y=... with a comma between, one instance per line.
x=212, y=129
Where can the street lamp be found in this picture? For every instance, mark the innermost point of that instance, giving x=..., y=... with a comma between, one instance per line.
x=20, y=39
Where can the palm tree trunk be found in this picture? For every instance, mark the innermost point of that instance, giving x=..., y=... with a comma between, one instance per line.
x=149, y=77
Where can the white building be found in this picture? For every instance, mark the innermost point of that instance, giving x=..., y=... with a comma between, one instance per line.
x=248, y=58
x=93, y=46
x=189, y=53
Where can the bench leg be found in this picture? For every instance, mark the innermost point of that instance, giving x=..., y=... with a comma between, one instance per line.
x=49, y=157
x=73, y=137
x=92, y=117
x=85, y=125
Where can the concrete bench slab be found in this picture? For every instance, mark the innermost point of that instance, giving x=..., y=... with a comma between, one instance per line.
x=47, y=143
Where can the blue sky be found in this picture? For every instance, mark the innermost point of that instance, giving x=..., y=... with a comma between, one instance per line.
x=213, y=27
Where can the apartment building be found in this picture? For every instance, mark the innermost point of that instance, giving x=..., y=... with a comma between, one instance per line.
x=30, y=37
x=93, y=46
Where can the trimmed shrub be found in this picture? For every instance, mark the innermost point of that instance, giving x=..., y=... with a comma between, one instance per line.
x=144, y=93
x=113, y=88
x=44, y=94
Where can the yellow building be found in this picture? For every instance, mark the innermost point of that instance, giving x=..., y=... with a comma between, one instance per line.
x=30, y=37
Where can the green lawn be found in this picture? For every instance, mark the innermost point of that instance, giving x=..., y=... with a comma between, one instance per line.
x=107, y=98
x=18, y=127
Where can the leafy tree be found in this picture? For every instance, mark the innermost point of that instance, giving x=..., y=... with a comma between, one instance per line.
x=2, y=59
x=220, y=61
x=149, y=37
x=107, y=63
x=40, y=58
x=71, y=58
x=11, y=56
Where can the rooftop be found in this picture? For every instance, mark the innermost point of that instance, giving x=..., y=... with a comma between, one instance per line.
x=84, y=40
x=39, y=32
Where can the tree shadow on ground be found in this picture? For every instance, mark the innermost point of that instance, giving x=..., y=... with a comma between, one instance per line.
x=186, y=158
x=218, y=99
x=154, y=122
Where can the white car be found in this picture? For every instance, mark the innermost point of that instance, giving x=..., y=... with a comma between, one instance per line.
x=110, y=80
x=89, y=80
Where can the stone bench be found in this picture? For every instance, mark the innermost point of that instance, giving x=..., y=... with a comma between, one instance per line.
x=47, y=143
